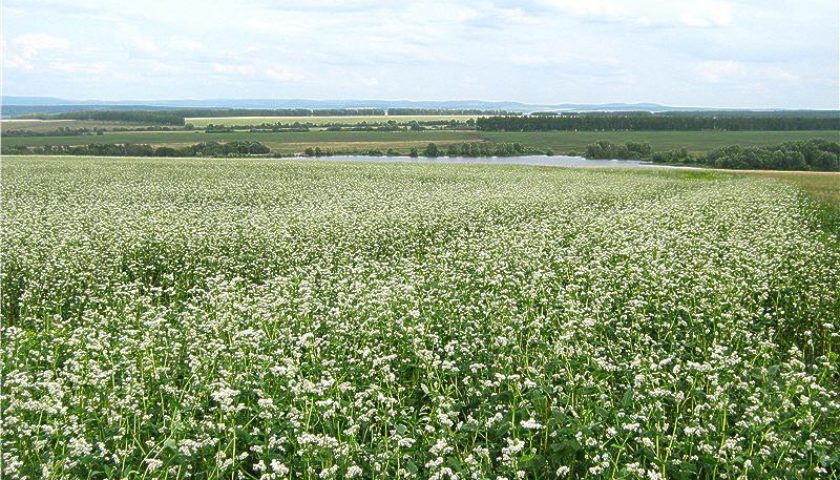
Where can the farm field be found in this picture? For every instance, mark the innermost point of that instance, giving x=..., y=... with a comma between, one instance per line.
x=823, y=187
x=42, y=126
x=559, y=142
x=280, y=141
x=697, y=141
x=273, y=319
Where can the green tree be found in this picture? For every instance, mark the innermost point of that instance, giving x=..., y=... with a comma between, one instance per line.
x=431, y=150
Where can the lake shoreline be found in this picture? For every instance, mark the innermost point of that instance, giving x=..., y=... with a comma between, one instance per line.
x=530, y=160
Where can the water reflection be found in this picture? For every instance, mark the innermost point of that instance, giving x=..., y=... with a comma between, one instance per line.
x=556, y=160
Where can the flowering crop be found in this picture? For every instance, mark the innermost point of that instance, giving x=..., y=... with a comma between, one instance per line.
x=263, y=319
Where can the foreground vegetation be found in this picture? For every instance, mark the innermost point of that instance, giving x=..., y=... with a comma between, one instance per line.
x=822, y=187
x=249, y=318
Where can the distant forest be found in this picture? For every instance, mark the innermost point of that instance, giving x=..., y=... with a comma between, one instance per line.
x=150, y=117
x=547, y=121
x=446, y=111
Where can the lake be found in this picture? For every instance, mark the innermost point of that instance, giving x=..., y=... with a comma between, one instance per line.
x=544, y=160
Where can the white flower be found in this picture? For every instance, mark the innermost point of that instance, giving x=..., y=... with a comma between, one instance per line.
x=531, y=424
x=353, y=471
x=153, y=464
x=279, y=468
x=406, y=442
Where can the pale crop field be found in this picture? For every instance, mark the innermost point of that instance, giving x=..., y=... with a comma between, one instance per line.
x=274, y=319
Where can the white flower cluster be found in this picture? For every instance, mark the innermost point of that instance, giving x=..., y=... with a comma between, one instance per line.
x=261, y=319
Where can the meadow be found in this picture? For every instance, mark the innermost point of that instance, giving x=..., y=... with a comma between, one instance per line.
x=283, y=142
x=290, y=143
x=44, y=126
x=277, y=319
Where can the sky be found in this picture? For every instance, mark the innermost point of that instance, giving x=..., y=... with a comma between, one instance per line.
x=711, y=53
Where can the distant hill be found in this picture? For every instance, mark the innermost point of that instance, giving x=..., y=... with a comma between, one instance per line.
x=13, y=105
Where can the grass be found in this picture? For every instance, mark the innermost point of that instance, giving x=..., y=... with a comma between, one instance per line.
x=822, y=187
x=701, y=141
x=560, y=142
x=44, y=126
x=283, y=141
x=280, y=319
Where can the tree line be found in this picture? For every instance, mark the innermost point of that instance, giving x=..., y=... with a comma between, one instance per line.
x=654, y=122
x=447, y=111
x=815, y=154
x=178, y=117
x=71, y=131
x=433, y=150
x=701, y=113
x=331, y=112
x=278, y=112
x=127, y=116
x=604, y=150
x=476, y=149
x=207, y=149
x=338, y=126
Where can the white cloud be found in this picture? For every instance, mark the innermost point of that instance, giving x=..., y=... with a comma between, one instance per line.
x=25, y=48
x=11, y=60
x=282, y=73
x=746, y=75
x=532, y=60
x=243, y=69
x=30, y=44
x=276, y=72
x=79, y=68
x=186, y=45
x=720, y=71
x=147, y=46
x=692, y=13
x=367, y=80
x=592, y=8
x=538, y=51
x=707, y=14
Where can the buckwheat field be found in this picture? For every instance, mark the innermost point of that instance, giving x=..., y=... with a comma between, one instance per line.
x=274, y=319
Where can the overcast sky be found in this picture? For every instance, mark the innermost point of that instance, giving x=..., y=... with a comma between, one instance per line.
x=728, y=53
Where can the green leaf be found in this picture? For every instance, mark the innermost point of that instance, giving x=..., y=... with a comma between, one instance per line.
x=411, y=467
x=627, y=401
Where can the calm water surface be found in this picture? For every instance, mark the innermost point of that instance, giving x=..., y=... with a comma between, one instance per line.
x=556, y=160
